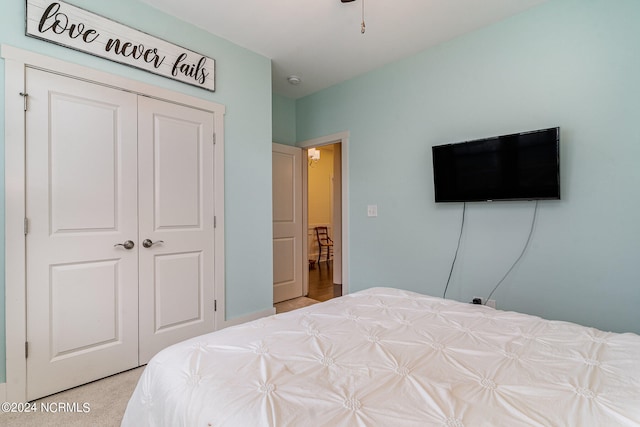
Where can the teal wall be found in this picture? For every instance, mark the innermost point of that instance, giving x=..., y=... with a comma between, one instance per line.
x=284, y=120
x=568, y=63
x=243, y=85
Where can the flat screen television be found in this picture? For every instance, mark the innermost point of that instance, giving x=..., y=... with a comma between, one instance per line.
x=520, y=166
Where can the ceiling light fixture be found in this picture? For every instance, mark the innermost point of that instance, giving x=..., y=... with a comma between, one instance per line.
x=314, y=156
x=294, y=80
x=362, y=26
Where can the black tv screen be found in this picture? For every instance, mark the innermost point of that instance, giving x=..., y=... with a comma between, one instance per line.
x=521, y=166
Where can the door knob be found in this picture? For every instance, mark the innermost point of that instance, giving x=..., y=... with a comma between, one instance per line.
x=147, y=243
x=127, y=245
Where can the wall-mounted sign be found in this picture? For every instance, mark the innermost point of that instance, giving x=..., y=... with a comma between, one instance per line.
x=70, y=26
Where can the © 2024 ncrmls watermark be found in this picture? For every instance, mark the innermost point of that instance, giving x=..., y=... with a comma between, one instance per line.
x=46, y=407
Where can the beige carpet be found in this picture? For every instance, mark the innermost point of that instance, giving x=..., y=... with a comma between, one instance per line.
x=107, y=400
x=294, y=304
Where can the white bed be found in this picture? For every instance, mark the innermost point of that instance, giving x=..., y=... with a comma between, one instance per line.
x=386, y=357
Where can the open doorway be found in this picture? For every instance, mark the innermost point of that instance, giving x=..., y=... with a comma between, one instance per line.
x=324, y=221
x=335, y=275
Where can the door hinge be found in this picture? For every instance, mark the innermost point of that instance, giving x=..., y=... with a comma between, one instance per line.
x=26, y=226
x=25, y=95
x=215, y=221
x=26, y=349
x=215, y=305
x=214, y=138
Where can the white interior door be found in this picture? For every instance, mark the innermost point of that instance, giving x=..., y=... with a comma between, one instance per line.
x=176, y=206
x=82, y=291
x=287, y=222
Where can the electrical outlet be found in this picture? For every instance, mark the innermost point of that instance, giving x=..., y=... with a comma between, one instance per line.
x=479, y=300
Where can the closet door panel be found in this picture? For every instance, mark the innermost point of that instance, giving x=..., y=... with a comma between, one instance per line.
x=81, y=201
x=176, y=208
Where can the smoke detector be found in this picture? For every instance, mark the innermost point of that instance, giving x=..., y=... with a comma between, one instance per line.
x=294, y=80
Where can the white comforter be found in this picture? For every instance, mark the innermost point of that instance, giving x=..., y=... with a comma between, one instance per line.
x=386, y=357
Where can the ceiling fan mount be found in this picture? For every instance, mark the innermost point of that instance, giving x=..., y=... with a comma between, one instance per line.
x=362, y=26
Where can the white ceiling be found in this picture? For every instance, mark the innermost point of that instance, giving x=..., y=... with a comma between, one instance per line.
x=320, y=40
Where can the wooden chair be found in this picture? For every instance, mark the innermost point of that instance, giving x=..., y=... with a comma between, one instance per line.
x=324, y=241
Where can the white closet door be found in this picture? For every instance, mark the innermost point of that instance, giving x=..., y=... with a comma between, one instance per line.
x=82, y=291
x=176, y=208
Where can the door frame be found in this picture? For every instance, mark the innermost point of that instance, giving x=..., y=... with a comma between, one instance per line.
x=16, y=62
x=341, y=138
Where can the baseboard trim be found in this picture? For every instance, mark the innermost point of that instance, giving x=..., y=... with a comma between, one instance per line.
x=249, y=317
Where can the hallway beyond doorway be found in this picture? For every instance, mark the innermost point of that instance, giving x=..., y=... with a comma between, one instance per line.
x=321, y=288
